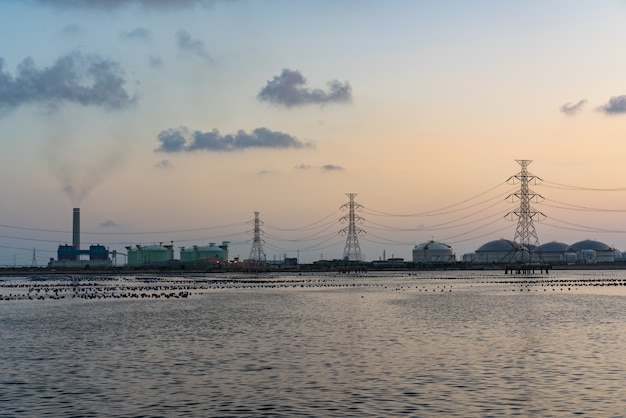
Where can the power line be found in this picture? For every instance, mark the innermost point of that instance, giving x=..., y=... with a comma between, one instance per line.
x=436, y=211
x=583, y=228
x=569, y=206
x=309, y=238
x=451, y=237
x=554, y=185
x=303, y=228
x=450, y=241
x=173, y=231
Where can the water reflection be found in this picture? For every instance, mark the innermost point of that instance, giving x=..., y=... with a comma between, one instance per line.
x=393, y=345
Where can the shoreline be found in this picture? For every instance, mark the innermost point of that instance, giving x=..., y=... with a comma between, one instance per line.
x=29, y=271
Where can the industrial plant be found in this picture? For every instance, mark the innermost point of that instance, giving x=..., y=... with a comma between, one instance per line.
x=70, y=256
x=523, y=249
x=162, y=254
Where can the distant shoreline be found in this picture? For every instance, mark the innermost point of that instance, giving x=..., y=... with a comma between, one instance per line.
x=30, y=271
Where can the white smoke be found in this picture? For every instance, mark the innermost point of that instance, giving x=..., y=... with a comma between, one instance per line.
x=81, y=161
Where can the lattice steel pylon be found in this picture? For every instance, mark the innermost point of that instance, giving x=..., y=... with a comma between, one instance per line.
x=352, y=249
x=525, y=233
x=257, y=255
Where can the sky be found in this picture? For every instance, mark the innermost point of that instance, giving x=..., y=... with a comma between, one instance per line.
x=175, y=120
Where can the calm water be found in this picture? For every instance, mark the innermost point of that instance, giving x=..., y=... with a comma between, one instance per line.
x=427, y=344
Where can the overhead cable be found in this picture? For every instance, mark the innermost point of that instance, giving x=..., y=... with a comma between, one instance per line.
x=436, y=211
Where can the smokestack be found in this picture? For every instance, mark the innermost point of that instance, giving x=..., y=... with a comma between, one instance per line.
x=76, y=231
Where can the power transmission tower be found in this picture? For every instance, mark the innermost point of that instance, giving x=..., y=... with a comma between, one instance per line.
x=33, y=263
x=525, y=233
x=257, y=256
x=352, y=250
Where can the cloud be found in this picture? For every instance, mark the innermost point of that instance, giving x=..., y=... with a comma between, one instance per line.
x=193, y=46
x=163, y=164
x=332, y=167
x=71, y=30
x=88, y=80
x=155, y=61
x=615, y=106
x=572, y=108
x=108, y=224
x=137, y=34
x=325, y=167
x=116, y=4
x=181, y=140
x=290, y=89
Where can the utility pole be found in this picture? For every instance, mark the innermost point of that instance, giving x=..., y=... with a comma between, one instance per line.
x=352, y=249
x=525, y=233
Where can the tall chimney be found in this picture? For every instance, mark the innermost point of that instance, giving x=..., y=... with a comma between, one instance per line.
x=76, y=231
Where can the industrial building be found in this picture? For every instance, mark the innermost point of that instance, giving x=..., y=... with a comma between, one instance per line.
x=591, y=252
x=552, y=253
x=504, y=251
x=432, y=252
x=71, y=256
x=160, y=254
x=207, y=253
x=151, y=254
x=498, y=251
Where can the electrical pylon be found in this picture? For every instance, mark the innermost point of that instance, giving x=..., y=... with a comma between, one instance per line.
x=256, y=253
x=352, y=249
x=33, y=263
x=525, y=233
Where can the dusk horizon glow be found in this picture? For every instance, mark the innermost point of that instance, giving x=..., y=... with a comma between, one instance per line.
x=175, y=121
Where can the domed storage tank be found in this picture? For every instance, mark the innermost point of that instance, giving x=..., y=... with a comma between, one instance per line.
x=501, y=251
x=603, y=252
x=433, y=252
x=552, y=252
x=209, y=252
x=152, y=254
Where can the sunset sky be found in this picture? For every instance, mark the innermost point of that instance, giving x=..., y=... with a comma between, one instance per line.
x=176, y=120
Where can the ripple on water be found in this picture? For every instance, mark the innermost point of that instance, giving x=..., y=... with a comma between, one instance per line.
x=383, y=348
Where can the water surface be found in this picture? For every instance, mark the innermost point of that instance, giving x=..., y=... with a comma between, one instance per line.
x=418, y=344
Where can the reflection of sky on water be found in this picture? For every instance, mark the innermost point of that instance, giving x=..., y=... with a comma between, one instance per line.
x=475, y=344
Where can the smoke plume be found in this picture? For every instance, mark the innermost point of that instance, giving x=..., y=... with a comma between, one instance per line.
x=80, y=175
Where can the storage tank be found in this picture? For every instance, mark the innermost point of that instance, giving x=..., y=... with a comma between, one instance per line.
x=433, y=252
x=209, y=252
x=603, y=252
x=499, y=251
x=152, y=254
x=588, y=256
x=552, y=252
